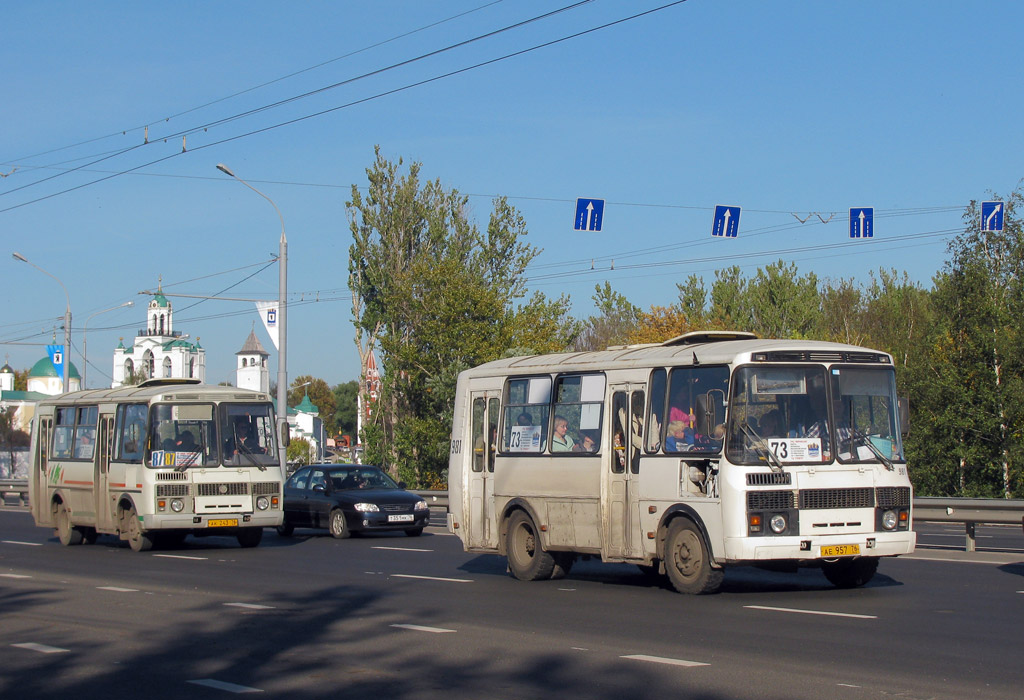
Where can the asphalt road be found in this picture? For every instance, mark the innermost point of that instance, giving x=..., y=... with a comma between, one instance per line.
x=397, y=617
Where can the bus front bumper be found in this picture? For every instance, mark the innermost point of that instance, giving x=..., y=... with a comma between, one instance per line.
x=872, y=544
x=219, y=521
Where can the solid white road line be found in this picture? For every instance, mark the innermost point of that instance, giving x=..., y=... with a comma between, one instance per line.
x=14, y=576
x=229, y=687
x=115, y=589
x=812, y=612
x=180, y=556
x=404, y=549
x=42, y=648
x=434, y=578
x=663, y=660
x=421, y=628
x=250, y=606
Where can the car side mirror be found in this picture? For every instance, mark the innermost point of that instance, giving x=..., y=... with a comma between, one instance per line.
x=319, y=488
x=286, y=437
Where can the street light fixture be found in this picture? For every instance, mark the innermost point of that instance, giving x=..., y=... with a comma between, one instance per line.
x=85, y=335
x=66, y=360
x=282, y=322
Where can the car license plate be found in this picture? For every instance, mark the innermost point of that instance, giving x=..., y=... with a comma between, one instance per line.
x=222, y=523
x=400, y=518
x=840, y=550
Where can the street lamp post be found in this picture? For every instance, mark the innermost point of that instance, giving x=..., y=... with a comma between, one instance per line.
x=85, y=342
x=66, y=360
x=282, y=322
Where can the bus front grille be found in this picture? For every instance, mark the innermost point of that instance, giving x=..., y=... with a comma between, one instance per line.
x=172, y=490
x=893, y=496
x=814, y=499
x=239, y=488
x=266, y=488
x=769, y=500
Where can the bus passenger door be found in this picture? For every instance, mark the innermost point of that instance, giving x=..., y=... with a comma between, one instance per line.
x=40, y=500
x=104, y=447
x=622, y=514
x=484, y=437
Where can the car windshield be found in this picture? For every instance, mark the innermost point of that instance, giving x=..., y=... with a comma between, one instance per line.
x=345, y=478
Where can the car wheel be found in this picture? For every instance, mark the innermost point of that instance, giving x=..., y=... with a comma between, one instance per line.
x=850, y=573
x=414, y=532
x=66, y=533
x=527, y=560
x=688, y=561
x=337, y=525
x=250, y=536
x=138, y=540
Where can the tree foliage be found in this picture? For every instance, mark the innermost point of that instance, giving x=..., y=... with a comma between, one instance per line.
x=435, y=295
x=320, y=395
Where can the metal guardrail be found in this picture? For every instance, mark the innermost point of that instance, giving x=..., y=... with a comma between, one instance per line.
x=969, y=511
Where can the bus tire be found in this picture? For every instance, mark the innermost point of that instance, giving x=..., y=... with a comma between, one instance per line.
x=250, y=537
x=66, y=533
x=138, y=540
x=850, y=573
x=527, y=560
x=688, y=560
x=337, y=526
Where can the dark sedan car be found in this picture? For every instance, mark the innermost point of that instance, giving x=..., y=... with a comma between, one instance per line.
x=347, y=498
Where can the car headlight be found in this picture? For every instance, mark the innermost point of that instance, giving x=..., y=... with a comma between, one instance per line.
x=889, y=520
x=177, y=505
x=367, y=507
x=778, y=523
x=420, y=505
x=262, y=503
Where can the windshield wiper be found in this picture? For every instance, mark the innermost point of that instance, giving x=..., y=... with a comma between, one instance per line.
x=761, y=446
x=859, y=437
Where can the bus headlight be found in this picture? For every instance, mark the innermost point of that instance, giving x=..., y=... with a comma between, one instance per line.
x=889, y=520
x=177, y=505
x=778, y=523
x=262, y=503
x=366, y=507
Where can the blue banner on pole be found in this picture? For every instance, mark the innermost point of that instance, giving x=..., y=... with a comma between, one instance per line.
x=56, y=353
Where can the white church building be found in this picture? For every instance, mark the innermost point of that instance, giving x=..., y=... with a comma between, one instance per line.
x=159, y=351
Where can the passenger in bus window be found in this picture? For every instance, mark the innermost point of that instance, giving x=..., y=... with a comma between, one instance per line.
x=771, y=424
x=587, y=442
x=84, y=446
x=561, y=441
x=524, y=419
x=680, y=436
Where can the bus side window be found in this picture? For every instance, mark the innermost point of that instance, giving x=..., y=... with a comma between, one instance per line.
x=620, y=420
x=131, y=431
x=63, y=432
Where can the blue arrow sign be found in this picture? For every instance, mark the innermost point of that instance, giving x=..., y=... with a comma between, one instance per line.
x=589, y=214
x=862, y=222
x=992, y=216
x=56, y=353
x=727, y=222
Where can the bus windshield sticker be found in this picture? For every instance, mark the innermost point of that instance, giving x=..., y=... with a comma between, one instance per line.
x=524, y=438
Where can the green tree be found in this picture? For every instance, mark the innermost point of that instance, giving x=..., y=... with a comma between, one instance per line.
x=346, y=411
x=320, y=395
x=783, y=304
x=435, y=295
x=298, y=451
x=615, y=320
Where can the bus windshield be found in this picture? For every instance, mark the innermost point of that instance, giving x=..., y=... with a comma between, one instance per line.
x=247, y=434
x=778, y=415
x=865, y=408
x=182, y=436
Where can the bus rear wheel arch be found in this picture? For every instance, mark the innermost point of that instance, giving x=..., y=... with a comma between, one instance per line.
x=687, y=559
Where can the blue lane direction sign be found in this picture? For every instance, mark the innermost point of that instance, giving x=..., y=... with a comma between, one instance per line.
x=727, y=222
x=992, y=216
x=862, y=222
x=589, y=214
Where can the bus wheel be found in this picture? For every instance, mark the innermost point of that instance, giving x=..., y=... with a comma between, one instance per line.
x=527, y=561
x=687, y=560
x=250, y=536
x=337, y=526
x=138, y=540
x=850, y=573
x=67, y=534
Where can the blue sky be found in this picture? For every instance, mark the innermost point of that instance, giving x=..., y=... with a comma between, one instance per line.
x=787, y=110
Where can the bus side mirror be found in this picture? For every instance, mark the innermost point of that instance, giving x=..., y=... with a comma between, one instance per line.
x=286, y=438
x=904, y=408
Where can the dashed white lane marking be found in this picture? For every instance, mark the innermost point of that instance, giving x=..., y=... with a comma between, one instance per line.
x=663, y=660
x=847, y=685
x=229, y=687
x=115, y=589
x=42, y=648
x=250, y=606
x=25, y=544
x=434, y=578
x=14, y=576
x=812, y=612
x=404, y=549
x=421, y=628
x=180, y=556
